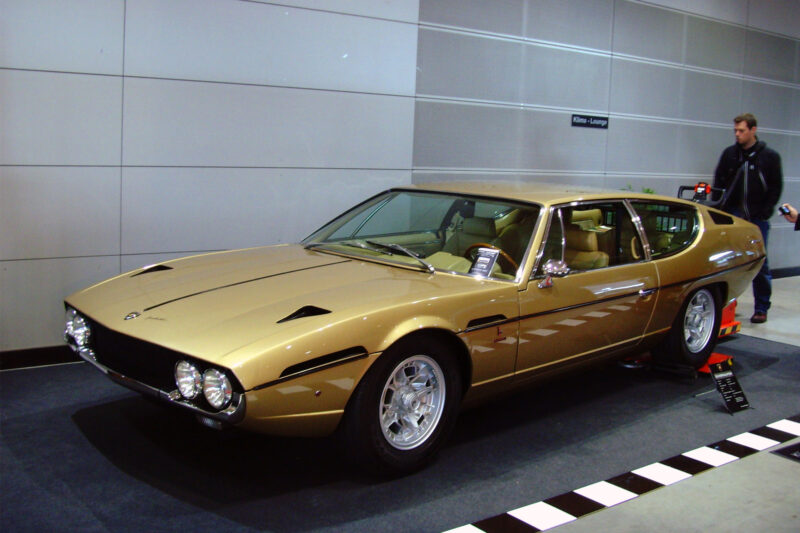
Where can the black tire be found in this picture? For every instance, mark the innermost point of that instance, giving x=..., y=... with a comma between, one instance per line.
x=695, y=331
x=404, y=409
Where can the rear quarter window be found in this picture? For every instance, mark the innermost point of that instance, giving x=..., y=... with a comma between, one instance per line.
x=669, y=227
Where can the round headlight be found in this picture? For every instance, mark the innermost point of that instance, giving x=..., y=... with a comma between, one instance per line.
x=217, y=388
x=77, y=329
x=188, y=379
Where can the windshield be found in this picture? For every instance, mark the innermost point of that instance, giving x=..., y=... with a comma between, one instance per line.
x=445, y=232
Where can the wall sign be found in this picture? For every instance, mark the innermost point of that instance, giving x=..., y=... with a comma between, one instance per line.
x=588, y=121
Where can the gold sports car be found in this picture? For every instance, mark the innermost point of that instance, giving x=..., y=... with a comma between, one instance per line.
x=382, y=324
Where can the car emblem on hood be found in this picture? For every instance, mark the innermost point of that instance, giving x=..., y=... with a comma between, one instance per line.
x=131, y=316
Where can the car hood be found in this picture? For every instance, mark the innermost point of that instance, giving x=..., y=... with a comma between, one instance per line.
x=231, y=307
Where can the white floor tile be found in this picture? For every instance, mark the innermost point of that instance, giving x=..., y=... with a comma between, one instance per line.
x=606, y=493
x=711, y=457
x=542, y=515
x=666, y=475
x=756, y=442
x=786, y=425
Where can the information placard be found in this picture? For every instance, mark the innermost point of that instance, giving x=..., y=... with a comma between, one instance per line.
x=484, y=261
x=728, y=386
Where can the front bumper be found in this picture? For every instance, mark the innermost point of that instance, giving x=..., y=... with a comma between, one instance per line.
x=149, y=370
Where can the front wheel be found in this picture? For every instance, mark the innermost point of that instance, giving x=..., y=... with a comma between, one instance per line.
x=695, y=331
x=405, y=407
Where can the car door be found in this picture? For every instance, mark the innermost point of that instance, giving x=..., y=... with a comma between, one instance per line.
x=605, y=299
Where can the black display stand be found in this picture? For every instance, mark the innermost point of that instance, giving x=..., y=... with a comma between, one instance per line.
x=728, y=386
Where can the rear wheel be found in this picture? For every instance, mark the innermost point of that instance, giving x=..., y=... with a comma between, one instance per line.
x=405, y=407
x=695, y=331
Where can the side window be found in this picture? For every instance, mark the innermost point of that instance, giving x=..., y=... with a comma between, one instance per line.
x=669, y=227
x=595, y=235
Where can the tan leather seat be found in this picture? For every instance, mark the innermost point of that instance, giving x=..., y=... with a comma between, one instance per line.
x=582, y=251
x=514, y=238
x=471, y=231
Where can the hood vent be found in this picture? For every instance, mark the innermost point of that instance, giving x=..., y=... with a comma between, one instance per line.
x=151, y=269
x=308, y=310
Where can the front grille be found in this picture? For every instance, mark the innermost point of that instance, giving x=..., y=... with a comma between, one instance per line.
x=142, y=361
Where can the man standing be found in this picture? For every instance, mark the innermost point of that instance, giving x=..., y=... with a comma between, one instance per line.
x=752, y=177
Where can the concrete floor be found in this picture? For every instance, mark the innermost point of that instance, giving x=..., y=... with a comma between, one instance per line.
x=760, y=492
x=783, y=318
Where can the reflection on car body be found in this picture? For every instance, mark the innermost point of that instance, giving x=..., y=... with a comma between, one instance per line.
x=382, y=323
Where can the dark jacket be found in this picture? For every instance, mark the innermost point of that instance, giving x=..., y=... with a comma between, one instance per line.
x=753, y=180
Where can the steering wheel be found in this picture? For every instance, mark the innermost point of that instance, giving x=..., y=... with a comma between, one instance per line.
x=503, y=254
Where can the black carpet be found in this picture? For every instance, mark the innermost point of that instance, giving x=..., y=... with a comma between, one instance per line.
x=78, y=452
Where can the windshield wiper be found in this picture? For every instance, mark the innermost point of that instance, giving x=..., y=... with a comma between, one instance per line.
x=353, y=243
x=403, y=250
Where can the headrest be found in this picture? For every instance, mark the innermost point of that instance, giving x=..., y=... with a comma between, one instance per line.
x=578, y=239
x=480, y=226
x=586, y=217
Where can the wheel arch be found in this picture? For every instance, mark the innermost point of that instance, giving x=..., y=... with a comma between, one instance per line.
x=453, y=342
x=444, y=336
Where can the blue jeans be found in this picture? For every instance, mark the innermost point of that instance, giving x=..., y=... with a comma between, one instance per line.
x=762, y=283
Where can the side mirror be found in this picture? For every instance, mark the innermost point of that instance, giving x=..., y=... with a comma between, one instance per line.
x=553, y=268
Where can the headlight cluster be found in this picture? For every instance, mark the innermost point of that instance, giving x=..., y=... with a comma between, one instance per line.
x=213, y=383
x=78, y=334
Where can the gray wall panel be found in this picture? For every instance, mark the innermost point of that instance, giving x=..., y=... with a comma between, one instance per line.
x=565, y=78
x=467, y=66
x=699, y=148
x=791, y=194
x=403, y=10
x=59, y=119
x=710, y=98
x=769, y=56
x=32, y=308
x=646, y=31
x=497, y=16
x=787, y=146
x=514, y=177
x=645, y=89
x=76, y=36
x=195, y=209
x=642, y=146
x=776, y=16
x=197, y=124
x=783, y=244
x=728, y=10
x=58, y=211
x=714, y=45
x=466, y=136
x=791, y=158
x=770, y=104
x=797, y=62
x=264, y=44
x=581, y=22
x=551, y=143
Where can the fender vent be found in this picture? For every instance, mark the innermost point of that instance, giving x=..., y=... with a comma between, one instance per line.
x=308, y=310
x=720, y=218
x=151, y=269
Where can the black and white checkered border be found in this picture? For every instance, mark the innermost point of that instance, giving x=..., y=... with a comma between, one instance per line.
x=567, y=507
